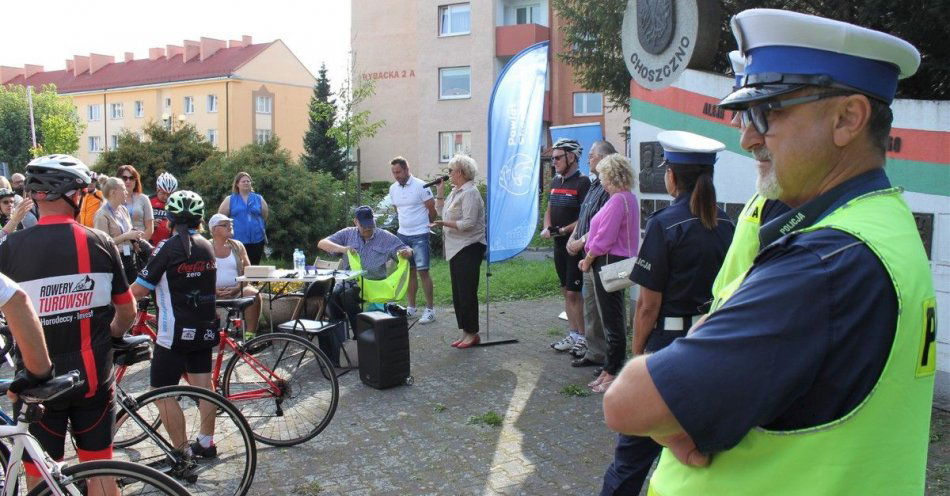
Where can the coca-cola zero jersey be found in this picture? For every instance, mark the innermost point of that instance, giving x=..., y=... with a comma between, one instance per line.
x=184, y=292
x=73, y=276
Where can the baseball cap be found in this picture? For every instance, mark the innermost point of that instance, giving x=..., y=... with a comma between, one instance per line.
x=364, y=215
x=218, y=219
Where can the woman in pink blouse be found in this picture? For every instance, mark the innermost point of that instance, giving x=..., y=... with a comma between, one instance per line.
x=614, y=235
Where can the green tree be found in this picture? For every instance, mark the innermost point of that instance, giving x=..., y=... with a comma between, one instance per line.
x=592, y=41
x=57, y=125
x=322, y=152
x=175, y=150
x=354, y=125
x=305, y=206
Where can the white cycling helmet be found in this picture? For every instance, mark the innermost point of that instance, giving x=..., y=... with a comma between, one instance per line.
x=56, y=175
x=166, y=182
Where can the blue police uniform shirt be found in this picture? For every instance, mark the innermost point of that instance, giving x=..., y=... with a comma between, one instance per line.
x=680, y=258
x=800, y=343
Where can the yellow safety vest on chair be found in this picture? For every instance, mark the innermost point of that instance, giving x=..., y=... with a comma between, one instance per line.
x=392, y=288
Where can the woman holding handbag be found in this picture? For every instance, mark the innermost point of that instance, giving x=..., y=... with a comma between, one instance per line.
x=614, y=237
x=682, y=251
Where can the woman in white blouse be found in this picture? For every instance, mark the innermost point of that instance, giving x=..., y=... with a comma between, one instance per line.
x=463, y=223
x=113, y=219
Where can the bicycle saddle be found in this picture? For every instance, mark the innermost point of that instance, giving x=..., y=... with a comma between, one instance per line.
x=128, y=342
x=52, y=388
x=130, y=350
x=236, y=303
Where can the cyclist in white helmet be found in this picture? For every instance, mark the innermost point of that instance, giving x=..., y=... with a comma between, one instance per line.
x=74, y=279
x=165, y=185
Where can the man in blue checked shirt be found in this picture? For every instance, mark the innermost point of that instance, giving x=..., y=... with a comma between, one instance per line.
x=374, y=246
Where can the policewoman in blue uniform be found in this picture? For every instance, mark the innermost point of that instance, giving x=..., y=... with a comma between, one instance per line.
x=815, y=376
x=682, y=251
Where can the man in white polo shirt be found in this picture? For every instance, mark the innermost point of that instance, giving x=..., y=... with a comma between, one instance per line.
x=416, y=209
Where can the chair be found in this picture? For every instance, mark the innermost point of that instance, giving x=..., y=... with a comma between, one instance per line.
x=309, y=328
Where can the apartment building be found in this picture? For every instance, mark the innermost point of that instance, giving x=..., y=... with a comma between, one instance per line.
x=234, y=92
x=434, y=64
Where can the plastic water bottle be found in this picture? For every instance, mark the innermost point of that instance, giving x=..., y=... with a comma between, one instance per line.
x=300, y=260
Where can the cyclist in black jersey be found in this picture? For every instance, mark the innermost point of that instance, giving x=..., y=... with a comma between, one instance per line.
x=183, y=274
x=74, y=278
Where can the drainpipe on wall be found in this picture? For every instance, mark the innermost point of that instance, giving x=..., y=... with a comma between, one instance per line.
x=227, y=118
x=105, y=125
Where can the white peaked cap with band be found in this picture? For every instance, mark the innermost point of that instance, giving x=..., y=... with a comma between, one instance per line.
x=681, y=147
x=786, y=50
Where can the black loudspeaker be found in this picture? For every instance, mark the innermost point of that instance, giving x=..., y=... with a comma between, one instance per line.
x=382, y=342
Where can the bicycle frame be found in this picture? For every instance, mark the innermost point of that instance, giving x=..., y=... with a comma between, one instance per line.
x=49, y=469
x=225, y=342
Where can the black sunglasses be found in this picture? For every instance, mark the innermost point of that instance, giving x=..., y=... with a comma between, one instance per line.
x=758, y=115
x=127, y=178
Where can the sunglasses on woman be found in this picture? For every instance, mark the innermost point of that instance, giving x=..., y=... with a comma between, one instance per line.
x=758, y=115
x=127, y=178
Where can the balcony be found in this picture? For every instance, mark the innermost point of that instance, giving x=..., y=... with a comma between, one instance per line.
x=511, y=39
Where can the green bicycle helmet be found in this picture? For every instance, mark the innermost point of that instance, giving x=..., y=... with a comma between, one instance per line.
x=185, y=205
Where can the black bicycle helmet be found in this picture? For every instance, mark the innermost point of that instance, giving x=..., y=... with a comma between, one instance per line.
x=569, y=145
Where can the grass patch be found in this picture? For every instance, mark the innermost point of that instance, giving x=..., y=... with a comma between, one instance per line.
x=514, y=279
x=555, y=331
x=308, y=489
x=490, y=419
x=439, y=408
x=575, y=390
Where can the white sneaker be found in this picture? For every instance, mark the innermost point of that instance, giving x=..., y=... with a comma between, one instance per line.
x=564, y=344
x=428, y=316
x=411, y=311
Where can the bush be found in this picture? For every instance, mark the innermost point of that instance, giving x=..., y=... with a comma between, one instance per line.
x=178, y=151
x=304, y=206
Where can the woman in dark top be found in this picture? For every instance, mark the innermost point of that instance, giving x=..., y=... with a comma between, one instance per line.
x=682, y=251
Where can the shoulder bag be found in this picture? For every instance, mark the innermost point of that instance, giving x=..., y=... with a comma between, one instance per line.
x=616, y=276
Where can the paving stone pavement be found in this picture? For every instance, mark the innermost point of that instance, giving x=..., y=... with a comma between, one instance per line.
x=418, y=440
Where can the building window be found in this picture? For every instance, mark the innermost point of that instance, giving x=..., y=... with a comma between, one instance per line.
x=455, y=82
x=454, y=142
x=113, y=142
x=265, y=104
x=528, y=14
x=212, y=103
x=115, y=111
x=189, y=105
x=95, y=144
x=455, y=19
x=139, y=108
x=168, y=105
x=588, y=104
x=213, y=136
x=263, y=136
x=95, y=112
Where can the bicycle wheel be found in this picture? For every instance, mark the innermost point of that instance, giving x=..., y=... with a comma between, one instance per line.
x=285, y=387
x=230, y=472
x=130, y=477
x=122, y=436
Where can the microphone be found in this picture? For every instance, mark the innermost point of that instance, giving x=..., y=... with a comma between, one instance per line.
x=435, y=181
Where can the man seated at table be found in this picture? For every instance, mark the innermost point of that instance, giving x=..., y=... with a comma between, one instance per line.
x=374, y=246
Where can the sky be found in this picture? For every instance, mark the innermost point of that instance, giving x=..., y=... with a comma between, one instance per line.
x=316, y=31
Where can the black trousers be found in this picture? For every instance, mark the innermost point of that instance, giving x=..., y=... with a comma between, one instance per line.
x=632, y=461
x=254, y=252
x=612, y=312
x=464, y=269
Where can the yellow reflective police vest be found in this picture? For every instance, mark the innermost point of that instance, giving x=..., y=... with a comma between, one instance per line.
x=742, y=250
x=880, y=447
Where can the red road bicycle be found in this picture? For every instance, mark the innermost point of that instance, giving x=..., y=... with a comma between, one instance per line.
x=282, y=383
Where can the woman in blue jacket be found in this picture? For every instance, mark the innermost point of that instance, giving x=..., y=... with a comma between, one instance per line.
x=249, y=211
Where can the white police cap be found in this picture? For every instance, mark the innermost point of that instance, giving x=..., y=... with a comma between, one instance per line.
x=785, y=50
x=681, y=147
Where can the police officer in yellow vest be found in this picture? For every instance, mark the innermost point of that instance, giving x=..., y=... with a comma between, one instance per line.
x=815, y=376
x=757, y=211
